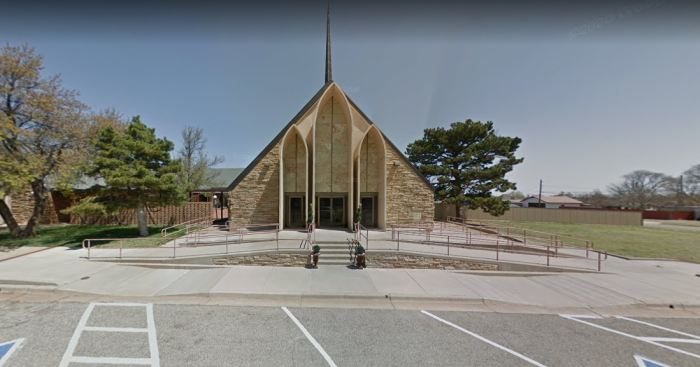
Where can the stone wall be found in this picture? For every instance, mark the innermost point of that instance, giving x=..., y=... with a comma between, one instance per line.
x=256, y=197
x=264, y=260
x=388, y=261
x=373, y=260
x=408, y=197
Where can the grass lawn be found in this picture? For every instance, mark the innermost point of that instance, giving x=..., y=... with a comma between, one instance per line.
x=648, y=242
x=684, y=223
x=73, y=235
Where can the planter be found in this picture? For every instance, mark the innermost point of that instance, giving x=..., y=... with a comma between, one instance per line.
x=315, y=257
x=360, y=261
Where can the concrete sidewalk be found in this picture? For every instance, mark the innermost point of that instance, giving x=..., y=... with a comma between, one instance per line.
x=624, y=284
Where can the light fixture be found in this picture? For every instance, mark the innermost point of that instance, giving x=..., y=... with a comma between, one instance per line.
x=267, y=164
x=397, y=164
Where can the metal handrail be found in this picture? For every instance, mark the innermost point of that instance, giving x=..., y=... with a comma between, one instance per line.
x=198, y=236
x=554, y=239
x=187, y=224
x=464, y=240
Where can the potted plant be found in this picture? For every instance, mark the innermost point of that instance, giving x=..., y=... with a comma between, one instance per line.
x=310, y=219
x=358, y=214
x=316, y=252
x=360, y=257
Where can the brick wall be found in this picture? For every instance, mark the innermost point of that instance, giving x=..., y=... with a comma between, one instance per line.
x=256, y=197
x=408, y=198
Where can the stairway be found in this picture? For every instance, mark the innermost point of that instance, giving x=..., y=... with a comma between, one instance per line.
x=337, y=253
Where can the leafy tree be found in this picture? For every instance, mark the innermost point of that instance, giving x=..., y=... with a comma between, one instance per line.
x=467, y=163
x=137, y=170
x=640, y=189
x=44, y=130
x=195, y=162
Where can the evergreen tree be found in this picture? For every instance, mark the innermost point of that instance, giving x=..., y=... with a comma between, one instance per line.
x=467, y=163
x=137, y=170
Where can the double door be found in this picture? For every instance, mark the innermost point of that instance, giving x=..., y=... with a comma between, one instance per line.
x=331, y=211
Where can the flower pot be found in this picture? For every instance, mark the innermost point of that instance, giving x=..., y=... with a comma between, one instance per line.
x=360, y=261
x=315, y=256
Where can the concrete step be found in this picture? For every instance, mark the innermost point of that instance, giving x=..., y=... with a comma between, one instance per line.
x=324, y=262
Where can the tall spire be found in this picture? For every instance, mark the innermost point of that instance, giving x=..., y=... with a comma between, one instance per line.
x=329, y=72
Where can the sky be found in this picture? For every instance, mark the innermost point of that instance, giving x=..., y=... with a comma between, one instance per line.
x=594, y=89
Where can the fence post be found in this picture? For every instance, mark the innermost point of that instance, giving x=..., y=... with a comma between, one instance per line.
x=398, y=241
x=525, y=236
x=598, y=261
x=547, y=255
x=586, y=248
x=89, y=243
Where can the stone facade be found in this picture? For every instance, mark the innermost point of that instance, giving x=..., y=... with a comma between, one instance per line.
x=408, y=197
x=399, y=261
x=264, y=260
x=345, y=158
x=256, y=197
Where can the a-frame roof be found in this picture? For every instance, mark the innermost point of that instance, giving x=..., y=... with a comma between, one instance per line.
x=296, y=118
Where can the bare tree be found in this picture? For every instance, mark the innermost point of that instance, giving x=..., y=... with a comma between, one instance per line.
x=691, y=183
x=195, y=162
x=640, y=189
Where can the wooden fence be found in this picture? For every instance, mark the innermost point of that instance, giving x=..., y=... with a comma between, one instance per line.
x=610, y=217
x=167, y=215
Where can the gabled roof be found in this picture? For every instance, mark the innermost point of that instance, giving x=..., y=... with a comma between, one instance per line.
x=223, y=177
x=279, y=136
x=296, y=118
x=555, y=199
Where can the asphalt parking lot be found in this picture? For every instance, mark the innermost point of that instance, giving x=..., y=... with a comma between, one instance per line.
x=137, y=334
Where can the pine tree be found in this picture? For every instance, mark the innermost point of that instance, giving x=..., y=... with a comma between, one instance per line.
x=467, y=164
x=137, y=170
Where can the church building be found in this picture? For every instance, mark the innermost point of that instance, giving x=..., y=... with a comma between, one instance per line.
x=330, y=158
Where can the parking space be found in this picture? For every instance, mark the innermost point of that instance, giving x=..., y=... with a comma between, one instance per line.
x=102, y=334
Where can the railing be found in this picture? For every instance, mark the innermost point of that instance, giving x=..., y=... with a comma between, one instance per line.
x=441, y=236
x=521, y=234
x=199, y=222
x=310, y=236
x=357, y=229
x=236, y=234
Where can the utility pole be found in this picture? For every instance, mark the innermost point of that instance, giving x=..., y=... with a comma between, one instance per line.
x=539, y=201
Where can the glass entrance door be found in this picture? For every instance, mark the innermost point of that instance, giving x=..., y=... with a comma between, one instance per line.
x=331, y=212
x=324, y=212
x=367, y=214
x=295, y=212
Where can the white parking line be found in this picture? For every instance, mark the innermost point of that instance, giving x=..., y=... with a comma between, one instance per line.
x=311, y=338
x=646, y=339
x=659, y=327
x=527, y=359
x=154, y=361
x=15, y=345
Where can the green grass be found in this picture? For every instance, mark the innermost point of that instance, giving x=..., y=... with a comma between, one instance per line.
x=73, y=235
x=684, y=223
x=645, y=242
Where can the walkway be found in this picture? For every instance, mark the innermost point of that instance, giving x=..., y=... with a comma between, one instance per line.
x=625, y=283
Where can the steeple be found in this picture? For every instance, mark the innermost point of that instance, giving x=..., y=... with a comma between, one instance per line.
x=329, y=72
